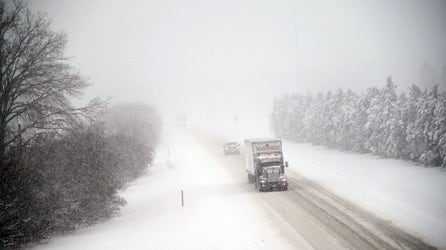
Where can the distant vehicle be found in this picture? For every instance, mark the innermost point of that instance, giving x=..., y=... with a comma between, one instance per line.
x=265, y=164
x=231, y=148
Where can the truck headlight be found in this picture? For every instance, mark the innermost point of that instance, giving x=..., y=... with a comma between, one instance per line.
x=262, y=181
x=284, y=180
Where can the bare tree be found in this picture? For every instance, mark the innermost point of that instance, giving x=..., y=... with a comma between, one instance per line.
x=36, y=79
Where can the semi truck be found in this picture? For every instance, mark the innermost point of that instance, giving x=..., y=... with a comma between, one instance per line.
x=265, y=164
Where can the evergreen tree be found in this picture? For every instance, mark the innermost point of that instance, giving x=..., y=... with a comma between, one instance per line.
x=374, y=121
x=410, y=115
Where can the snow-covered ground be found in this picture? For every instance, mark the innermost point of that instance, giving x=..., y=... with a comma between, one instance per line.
x=222, y=212
x=410, y=196
x=218, y=212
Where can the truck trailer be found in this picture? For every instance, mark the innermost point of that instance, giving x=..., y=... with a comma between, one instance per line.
x=265, y=164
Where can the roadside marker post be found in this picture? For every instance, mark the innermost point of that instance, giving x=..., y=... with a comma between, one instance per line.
x=182, y=199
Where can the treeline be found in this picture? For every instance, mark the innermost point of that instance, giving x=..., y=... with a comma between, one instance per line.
x=381, y=121
x=60, y=184
x=61, y=166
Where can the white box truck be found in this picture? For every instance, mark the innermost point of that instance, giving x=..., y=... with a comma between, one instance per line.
x=265, y=164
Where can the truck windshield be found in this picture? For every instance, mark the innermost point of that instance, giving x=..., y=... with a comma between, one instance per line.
x=273, y=171
x=272, y=163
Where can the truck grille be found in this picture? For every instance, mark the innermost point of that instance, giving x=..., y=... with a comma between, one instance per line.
x=273, y=177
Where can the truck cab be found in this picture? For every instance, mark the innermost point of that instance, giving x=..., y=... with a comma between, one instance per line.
x=272, y=178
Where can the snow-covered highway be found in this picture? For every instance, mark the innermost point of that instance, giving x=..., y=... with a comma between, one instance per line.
x=222, y=211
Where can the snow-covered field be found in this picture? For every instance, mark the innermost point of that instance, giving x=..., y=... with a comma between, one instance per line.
x=218, y=213
x=408, y=195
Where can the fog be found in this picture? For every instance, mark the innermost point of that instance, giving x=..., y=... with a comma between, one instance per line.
x=231, y=57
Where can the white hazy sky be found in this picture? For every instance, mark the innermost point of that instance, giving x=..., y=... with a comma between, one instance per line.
x=235, y=56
